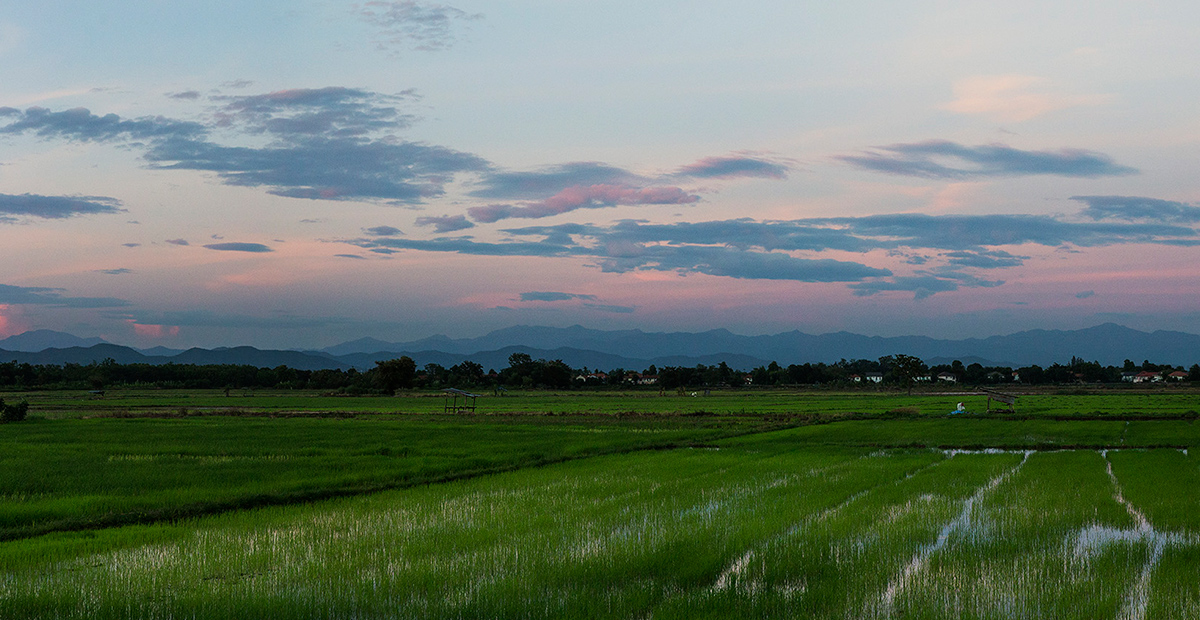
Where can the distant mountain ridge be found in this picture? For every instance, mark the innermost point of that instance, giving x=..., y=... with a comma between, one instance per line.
x=579, y=347
x=1110, y=344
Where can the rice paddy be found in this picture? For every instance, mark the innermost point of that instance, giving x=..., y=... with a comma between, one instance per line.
x=852, y=519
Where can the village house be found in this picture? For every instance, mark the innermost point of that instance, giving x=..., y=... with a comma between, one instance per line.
x=1147, y=376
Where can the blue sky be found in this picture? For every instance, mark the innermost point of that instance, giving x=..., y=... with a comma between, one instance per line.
x=296, y=174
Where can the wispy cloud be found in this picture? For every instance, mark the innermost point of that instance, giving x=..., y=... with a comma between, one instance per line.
x=580, y=197
x=1014, y=98
x=331, y=112
x=414, y=25
x=383, y=231
x=544, y=183
x=115, y=272
x=1085, y=294
x=610, y=308
x=993, y=259
x=940, y=159
x=181, y=242
x=79, y=124
x=1136, y=208
x=55, y=207
x=554, y=296
x=446, y=223
x=923, y=285
x=587, y=301
x=234, y=246
x=735, y=166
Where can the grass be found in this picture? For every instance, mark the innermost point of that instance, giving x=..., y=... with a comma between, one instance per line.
x=757, y=530
x=1176, y=403
x=87, y=473
x=833, y=508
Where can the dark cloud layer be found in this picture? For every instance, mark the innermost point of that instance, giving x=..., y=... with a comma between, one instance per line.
x=554, y=296
x=1136, y=208
x=922, y=285
x=749, y=249
x=940, y=159
x=383, y=231
x=42, y=296
x=610, y=308
x=55, y=207
x=995, y=259
x=446, y=223
x=324, y=169
x=618, y=252
x=327, y=143
x=338, y=143
x=239, y=247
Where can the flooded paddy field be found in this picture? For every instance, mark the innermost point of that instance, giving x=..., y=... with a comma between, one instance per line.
x=807, y=522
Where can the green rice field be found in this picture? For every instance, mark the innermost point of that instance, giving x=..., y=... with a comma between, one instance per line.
x=721, y=515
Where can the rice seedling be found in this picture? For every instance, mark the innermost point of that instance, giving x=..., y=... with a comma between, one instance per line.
x=854, y=519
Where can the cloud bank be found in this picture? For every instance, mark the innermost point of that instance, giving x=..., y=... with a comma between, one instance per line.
x=774, y=250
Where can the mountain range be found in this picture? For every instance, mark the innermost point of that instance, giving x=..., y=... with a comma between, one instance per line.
x=1109, y=344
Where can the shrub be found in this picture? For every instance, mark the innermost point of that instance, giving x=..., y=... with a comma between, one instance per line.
x=13, y=413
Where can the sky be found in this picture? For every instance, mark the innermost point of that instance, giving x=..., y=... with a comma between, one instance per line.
x=297, y=174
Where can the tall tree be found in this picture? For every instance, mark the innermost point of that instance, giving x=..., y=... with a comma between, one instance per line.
x=396, y=373
x=907, y=368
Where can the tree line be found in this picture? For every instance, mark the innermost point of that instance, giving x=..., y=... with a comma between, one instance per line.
x=525, y=372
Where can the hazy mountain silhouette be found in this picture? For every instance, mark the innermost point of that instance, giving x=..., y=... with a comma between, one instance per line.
x=578, y=347
x=1110, y=344
x=42, y=339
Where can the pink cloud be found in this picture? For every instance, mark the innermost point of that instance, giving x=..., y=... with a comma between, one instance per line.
x=736, y=166
x=155, y=331
x=584, y=197
x=6, y=328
